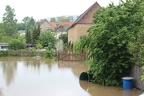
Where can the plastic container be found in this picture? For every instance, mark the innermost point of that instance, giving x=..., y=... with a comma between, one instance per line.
x=127, y=82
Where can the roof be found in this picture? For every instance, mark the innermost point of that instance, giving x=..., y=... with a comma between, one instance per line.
x=60, y=30
x=83, y=14
x=53, y=24
x=65, y=23
x=3, y=44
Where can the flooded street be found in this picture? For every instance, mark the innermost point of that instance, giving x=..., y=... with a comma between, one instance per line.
x=28, y=76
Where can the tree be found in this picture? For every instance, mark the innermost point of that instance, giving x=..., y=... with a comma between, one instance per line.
x=28, y=36
x=29, y=22
x=31, y=31
x=64, y=38
x=42, y=21
x=1, y=29
x=21, y=26
x=52, y=19
x=63, y=19
x=26, y=19
x=36, y=33
x=16, y=44
x=10, y=23
x=46, y=38
x=108, y=41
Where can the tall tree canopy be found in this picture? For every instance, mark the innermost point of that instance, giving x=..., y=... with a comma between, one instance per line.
x=10, y=22
x=52, y=19
x=36, y=33
x=26, y=19
x=63, y=19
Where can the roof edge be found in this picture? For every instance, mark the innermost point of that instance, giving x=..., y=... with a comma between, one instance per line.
x=82, y=15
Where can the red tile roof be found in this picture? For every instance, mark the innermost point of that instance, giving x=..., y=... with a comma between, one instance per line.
x=65, y=23
x=53, y=24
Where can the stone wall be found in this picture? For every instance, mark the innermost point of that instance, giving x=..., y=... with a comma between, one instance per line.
x=136, y=72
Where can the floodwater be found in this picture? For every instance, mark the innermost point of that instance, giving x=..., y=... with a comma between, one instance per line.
x=31, y=76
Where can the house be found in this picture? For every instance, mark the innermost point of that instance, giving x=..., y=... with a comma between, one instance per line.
x=54, y=25
x=82, y=24
x=46, y=25
x=4, y=46
x=63, y=26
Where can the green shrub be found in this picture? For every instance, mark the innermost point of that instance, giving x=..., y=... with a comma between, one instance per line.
x=49, y=54
x=16, y=44
x=3, y=53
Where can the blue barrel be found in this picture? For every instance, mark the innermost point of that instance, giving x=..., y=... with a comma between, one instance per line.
x=127, y=82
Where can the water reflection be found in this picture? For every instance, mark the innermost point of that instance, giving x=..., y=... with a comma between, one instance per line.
x=98, y=90
x=38, y=77
x=1, y=92
x=37, y=62
x=77, y=67
x=30, y=76
x=9, y=68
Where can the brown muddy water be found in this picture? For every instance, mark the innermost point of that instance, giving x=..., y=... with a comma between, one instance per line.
x=42, y=77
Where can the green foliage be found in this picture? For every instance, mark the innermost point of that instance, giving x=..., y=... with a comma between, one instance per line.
x=10, y=23
x=47, y=37
x=5, y=38
x=31, y=30
x=64, y=38
x=49, y=54
x=108, y=41
x=16, y=44
x=22, y=38
x=21, y=26
x=1, y=29
x=26, y=20
x=80, y=46
x=36, y=33
x=63, y=19
x=38, y=46
x=52, y=19
x=28, y=36
x=136, y=47
x=142, y=77
x=3, y=53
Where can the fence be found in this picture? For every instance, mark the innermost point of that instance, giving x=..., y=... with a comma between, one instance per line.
x=70, y=56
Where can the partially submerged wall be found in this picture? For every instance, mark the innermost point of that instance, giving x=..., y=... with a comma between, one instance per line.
x=136, y=72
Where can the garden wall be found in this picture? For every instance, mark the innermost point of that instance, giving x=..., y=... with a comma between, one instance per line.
x=136, y=72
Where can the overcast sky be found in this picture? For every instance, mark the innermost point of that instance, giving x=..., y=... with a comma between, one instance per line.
x=40, y=9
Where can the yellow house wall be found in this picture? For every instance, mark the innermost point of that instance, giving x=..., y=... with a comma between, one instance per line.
x=77, y=31
x=72, y=34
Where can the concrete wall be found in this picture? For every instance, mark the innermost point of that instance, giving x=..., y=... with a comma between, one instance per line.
x=136, y=72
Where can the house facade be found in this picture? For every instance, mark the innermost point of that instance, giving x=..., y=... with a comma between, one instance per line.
x=46, y=25
x=82, y=24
